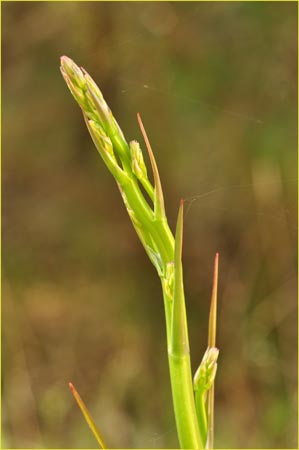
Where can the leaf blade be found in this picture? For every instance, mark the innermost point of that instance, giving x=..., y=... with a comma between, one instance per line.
x=87, y=416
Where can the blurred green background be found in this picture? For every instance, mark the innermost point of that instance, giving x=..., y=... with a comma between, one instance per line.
x=216, y=85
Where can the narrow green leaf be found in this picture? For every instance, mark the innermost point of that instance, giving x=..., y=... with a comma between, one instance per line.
x=212, y=343
x=88, y=417
x=179, y=332
x=179, y=354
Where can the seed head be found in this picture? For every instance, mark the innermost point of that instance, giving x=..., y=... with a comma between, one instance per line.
x=206, y=372
x=138, y=164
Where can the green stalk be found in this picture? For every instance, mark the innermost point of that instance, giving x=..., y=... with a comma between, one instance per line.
x=200, y=402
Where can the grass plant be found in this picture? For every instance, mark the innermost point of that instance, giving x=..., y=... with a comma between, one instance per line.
x=193, y=401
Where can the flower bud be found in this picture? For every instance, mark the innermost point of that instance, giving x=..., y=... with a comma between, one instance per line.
x=138, y=164
x=102, y=141
x=73, y=72
x=206, y=372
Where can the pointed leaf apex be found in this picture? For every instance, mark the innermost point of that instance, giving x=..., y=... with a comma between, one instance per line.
x=215, y=280
x=179, y=330
x=179, y=231
x=158, y=198
x=87, y=416
x=213, y=307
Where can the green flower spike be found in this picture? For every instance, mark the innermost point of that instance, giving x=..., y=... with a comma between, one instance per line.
x=147, y=213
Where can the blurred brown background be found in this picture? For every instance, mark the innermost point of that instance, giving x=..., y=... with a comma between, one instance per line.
x=216, y=85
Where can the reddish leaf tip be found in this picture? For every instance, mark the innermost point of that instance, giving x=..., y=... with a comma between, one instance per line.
x=71, y=386
x=216, y=263
x=140, y=123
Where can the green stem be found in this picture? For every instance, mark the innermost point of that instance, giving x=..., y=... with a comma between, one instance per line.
x=183, y=401
x=179, y=354
x=168, y=308
x=148, y=187
x=210, y=430
x=201, y=415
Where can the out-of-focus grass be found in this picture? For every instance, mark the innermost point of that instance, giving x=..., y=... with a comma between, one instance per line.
x=217, y=86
